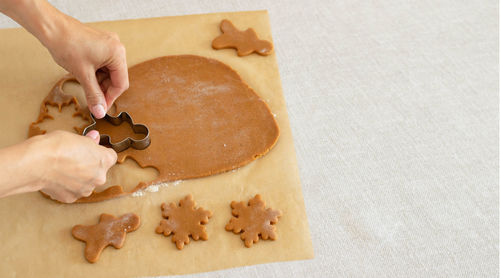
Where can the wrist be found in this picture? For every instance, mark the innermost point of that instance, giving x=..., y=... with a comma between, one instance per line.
x=39, y=18
x=37, y=158
x=34, y=161
x=20, y=165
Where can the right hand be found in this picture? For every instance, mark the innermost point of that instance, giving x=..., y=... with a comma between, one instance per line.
x=73, y=164
x=96, y=58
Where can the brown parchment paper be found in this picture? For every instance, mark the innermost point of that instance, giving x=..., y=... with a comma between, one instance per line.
x=35, y=232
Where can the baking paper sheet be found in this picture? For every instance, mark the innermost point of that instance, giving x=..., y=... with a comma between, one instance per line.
x=36, y=232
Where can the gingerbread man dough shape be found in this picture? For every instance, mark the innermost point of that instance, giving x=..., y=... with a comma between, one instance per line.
x=245, y=42
x=109, y=231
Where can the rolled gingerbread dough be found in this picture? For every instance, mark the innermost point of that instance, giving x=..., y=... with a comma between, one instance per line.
x=203, y=119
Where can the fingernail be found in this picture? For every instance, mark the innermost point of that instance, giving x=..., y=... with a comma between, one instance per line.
x=94, y=134
x=99, y=111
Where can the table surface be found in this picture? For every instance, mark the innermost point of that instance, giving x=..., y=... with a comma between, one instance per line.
x=394, y=111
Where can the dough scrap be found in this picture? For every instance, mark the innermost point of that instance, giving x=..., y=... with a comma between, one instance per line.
x=183, y=221
x=253, y=220
x=109, y=231
x=245, y=42
x=57, y=97
x=202, y=117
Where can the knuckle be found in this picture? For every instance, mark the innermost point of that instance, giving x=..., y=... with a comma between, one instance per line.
x=113, y=36
x=87, y=191
x=119, y=50
x=80, y=72
x=109, y=158
x=94, y=97
x=68, y=199
x=114, y=157
x=114, y=42
x=123, y=50
x=100, y=179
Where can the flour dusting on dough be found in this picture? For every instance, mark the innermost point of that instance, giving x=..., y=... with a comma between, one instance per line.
x=138, y=193
x=155, y=188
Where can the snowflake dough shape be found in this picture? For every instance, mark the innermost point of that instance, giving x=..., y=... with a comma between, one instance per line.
x=254, y=220
x=110, y=230
x=183, y=221
x=245, y=42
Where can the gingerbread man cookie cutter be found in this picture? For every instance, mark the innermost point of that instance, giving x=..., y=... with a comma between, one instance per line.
x=105, y=139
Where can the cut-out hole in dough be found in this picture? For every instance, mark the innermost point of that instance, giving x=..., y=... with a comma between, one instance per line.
x=63, y=120
x=74, y=88
x=128, y=175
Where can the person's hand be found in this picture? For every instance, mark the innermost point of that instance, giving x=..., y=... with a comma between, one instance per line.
x=97, y=60
x=63, y=165
x=72, y=165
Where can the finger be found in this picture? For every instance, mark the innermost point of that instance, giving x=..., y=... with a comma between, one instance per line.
x=103, y=79
x=69, y=198
x=86, y=191
x=94, y=135
x=109, y=157
x=104, y=87
x=101, y=74
x=118, y=74
x=95, y=97
x=49, y=192
x=62, y=196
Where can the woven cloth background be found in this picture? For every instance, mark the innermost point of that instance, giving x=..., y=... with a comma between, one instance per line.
x=394, y=110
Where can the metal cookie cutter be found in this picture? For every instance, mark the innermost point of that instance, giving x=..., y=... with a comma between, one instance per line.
x=124, y=144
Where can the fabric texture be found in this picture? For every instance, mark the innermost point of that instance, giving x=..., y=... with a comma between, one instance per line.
x=394, y=110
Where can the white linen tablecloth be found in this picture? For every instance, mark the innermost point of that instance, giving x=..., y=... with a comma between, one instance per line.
x=394, y=111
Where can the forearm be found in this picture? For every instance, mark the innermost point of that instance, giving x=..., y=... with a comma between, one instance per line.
x=19, y=168
x=38, y=17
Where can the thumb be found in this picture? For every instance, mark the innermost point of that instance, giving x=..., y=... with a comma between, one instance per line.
x=94, y=135
x=95, y=97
